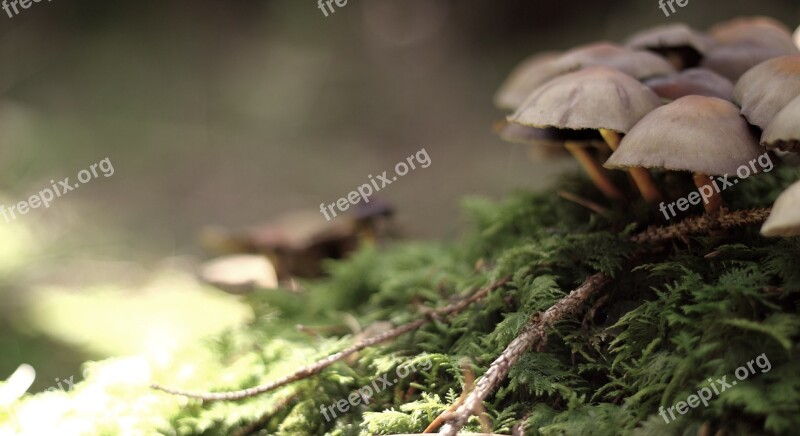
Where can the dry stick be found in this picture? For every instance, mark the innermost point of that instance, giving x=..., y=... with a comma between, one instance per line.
x=534, y=332
x=702, y=225
x=538, y=325
x=318, y=366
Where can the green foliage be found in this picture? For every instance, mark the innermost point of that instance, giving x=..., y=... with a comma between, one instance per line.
x=670, y=320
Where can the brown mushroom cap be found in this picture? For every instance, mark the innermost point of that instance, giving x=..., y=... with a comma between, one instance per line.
x=694, y=133
x=694, y=81
x=525, y=78
x=767, y=88
x=672, y=37
x=785, y=217
x=594, y=98
x=783, y=132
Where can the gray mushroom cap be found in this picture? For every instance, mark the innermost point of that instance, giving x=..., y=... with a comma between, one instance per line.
x=525, y=78
x=534, y=73
x=670, y=36
x=783, y=133
x=767, y=88
x=594, y=98
x=763, y=31
x=694, y=81
x=694, y=133
x=785, y=217
x=735, y=59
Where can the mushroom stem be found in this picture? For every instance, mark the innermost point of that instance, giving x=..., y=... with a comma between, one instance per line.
x=598, y=175
x=644, y=182
x=714, y=202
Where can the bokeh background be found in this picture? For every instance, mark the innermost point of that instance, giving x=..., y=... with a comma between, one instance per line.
x=232, y=113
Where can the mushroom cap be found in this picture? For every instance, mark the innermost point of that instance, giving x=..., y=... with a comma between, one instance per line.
x=670, y=36
x=549, y=137
x=593, y=98
x=783, y=133
x=239, y=274
x=763, y=31
x=525, y=78
x=694, y=81
x=694, y=133
x=734, y=59
x=767, y=88
x=638, y=64
x=797, y=37
x=785, y=217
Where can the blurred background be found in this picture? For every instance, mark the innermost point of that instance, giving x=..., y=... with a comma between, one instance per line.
x=232, y=113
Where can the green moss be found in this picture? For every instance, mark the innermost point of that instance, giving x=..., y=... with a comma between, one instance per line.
x=670, y=320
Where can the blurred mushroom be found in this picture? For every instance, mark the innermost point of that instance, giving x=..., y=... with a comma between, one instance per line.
x=797, y=37
x=763, y=31
x=783, y=133
x=638, y=64
x=596, y=98
x=524, y=79
x=694, y=81
x=767, y=88
x=373, y=220
x=784, y=221
x=542, y=143
x=746, y=42
x=683, y=46
x=239, y=274
x=703, y=135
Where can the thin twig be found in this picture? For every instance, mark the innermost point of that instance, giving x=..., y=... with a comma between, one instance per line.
x=588, y=204
x=318, y=366
x=702, y=225
x=534, y=332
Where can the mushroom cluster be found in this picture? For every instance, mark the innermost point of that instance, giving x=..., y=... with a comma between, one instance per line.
x=671, y=98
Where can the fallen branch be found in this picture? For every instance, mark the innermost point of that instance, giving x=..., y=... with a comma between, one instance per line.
x=534, y=332
x=702, y=225
x=320, y=365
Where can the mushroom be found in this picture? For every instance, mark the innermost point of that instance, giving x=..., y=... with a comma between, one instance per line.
x=767, y=88
x=694, y=81
x=596, y=98
x=797, y=37
x=746, y=42
x=240, y=274
x=683, y=46
x=783, y=133
x=784, y=221
x=526, y=79
x=763, y=31
x=703, y=135
x=544, y=142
